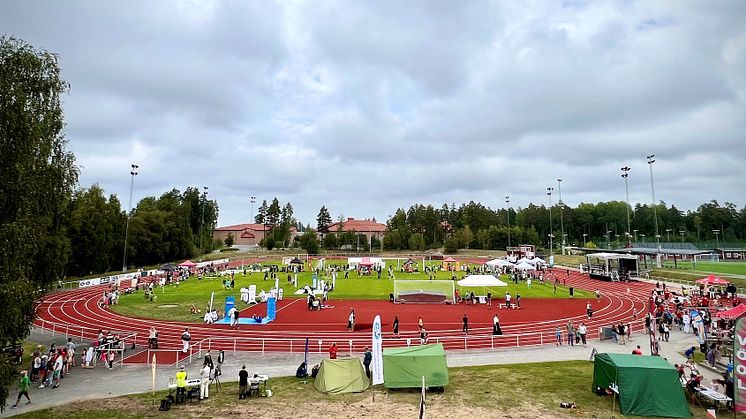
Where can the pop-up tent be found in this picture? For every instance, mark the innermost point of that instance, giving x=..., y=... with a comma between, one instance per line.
x=481, y=281
x=188, y=264
x=525, y=266
x=339, y=376
x=733, y=313
x=712, y=280
x=498, y=263
x=648, y=385
x=405, y=367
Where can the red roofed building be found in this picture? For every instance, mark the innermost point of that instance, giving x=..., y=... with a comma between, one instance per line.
x=243, y=234
x=370, y=228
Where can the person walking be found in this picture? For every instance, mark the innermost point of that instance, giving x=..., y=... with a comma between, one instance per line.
x=204, y=382
x=518, y=300
x=185, y=338
x=589, y=310
x=558, y=335
x=396, y=326
x=465, y=327
x=367, y=358
x=582, y=331
x=23, y=386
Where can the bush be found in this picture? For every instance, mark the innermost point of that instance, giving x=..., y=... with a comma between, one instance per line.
x=229, y=249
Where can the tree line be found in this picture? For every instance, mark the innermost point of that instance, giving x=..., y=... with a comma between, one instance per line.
x=474, y=225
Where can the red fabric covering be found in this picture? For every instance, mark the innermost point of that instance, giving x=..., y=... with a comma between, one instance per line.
x=712, y=280
x=188, y=263
x=734, y=312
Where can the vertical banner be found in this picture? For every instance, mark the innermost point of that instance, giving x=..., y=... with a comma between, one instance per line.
x=305, y=354
x=377, y=367
x=739, y=365
x=152, y=378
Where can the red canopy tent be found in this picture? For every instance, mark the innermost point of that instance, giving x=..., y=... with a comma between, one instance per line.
x=449, y=259
x=712, y=280
x=188, y=263
x=733, y=312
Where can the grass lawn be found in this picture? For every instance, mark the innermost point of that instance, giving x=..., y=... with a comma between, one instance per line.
x=737, y=268
x=520, y=390
x=356, y=287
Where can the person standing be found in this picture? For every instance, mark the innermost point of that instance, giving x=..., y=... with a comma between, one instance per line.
x=570, y=333
x=558, y=335
x=582, y=331
x=396, y=326
x=367, y=358
x=507, y=300
x=351, y=321
x=686, y=320
x=465, y=327
x=589, y=310
x=518, y=300
x=496, y=326
x=333, y=351
x=420, y=323
x=204, y=383
x=57, y=374
x=243, y=382
x=181, y=377
x=23, y=386
x=185, y=338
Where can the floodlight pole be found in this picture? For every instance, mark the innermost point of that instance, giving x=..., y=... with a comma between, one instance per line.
x=625, y=175
x=133, y=173
x=551, y=242
x=651, y=160
x=507, y=216
x=561, y=204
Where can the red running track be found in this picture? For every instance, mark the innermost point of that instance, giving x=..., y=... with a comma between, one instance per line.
x=78, y=313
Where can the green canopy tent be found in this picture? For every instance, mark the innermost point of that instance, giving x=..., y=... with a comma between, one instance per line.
x=405, y=367
x=648, y=385
x=339, y=376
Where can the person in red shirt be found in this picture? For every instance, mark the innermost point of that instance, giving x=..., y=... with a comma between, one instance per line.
x=333, y=351
x=637, y=351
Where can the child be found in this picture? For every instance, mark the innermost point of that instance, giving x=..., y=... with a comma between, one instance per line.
x=558, y=334
x=23, y=386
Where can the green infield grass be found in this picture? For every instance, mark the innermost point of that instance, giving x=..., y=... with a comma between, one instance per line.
x=173, y=303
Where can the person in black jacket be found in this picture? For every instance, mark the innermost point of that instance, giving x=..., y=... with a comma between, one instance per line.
x=367, y=358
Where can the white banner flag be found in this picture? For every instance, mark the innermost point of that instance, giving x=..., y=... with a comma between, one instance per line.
x=377, y=367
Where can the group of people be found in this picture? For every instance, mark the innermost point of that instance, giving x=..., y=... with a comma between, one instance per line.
x=576, y=335
x=47, y=369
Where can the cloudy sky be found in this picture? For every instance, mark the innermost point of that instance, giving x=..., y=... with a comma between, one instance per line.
x=369, y=106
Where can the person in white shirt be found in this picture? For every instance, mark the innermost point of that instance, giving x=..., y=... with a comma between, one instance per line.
x=185, y=338
x=686, y=320
x=204, y=384
x=214, y=315
x=232, y=315
x=208, y=317
x=582, y=330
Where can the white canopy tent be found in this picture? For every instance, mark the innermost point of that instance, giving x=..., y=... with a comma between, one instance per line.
x=481, y=281
x=498, y=263
x=525, y=266
x=537, y=260
x=522, y=260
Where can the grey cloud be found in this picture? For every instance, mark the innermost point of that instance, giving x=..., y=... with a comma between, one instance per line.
x=367, y=107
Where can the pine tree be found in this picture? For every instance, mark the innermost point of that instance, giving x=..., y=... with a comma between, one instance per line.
x=261, y=214
x=323, y=220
